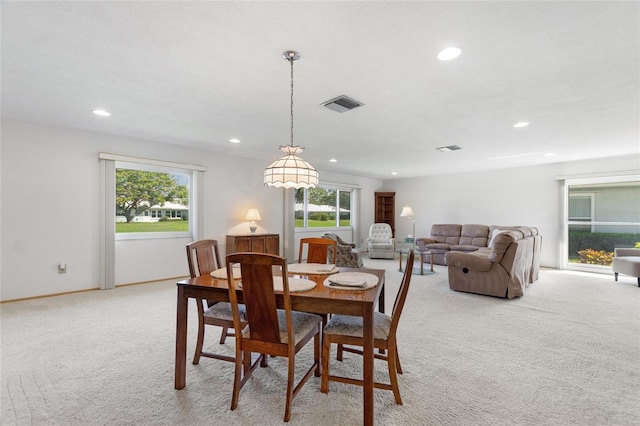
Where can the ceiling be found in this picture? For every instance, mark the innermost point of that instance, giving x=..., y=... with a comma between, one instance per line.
x=200, y=73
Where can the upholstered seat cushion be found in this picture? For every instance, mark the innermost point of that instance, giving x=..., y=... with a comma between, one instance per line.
x=346, y=325
x=303, y=323
x=222, y=310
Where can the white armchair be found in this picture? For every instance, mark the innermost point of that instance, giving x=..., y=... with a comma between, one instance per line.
x=381, y=243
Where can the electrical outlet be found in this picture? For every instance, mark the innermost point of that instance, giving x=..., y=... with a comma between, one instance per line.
x=62, y=268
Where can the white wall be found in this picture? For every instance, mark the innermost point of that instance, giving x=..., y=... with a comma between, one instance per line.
x=523, y=196
x=49, y=199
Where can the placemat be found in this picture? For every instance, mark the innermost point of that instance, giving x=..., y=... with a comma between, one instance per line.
x=295, y=284
x=222, y=273
x=312, y=268
x=351, y=281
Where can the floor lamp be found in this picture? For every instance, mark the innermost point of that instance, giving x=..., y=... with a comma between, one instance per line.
x=408, y=212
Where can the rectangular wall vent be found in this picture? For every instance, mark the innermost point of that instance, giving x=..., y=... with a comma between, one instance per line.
x=448, y=148
x=342, y=104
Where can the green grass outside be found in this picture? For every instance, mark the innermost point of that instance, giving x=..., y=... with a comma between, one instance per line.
x=322, y=223
x=169, y=226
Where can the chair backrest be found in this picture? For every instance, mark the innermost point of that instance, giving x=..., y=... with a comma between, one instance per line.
x=203, y=257
x=401, y=297
x=380, y=232
x=318, y=250
x=257, y=271
x=336, y=238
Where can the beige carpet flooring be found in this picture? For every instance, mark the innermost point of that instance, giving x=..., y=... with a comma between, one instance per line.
x=567, y=353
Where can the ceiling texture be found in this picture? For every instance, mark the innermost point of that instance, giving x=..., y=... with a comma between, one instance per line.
x=200, y=73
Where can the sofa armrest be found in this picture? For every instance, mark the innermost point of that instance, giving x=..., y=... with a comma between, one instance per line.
x=626, y=252
x=470, y=261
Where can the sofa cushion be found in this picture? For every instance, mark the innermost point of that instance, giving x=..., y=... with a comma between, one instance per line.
x=474, y=235
x=446, y=233
x=465, y=248
x=501, y=243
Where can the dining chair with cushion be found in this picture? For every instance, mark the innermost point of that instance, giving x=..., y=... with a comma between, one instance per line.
x=347, y=330
x=204, y=257
x=270, y=331
x=318, y=250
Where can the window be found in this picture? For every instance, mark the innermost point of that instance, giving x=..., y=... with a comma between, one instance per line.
x=323, y=207
x=151, y=201
x=601, y=214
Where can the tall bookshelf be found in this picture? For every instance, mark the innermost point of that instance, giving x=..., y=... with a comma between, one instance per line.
x=386, y=209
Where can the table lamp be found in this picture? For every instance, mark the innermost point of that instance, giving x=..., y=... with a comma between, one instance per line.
x=253, y=215
x=408, y=212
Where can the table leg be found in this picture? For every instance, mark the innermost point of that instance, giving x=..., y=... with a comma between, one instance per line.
x=421, y=263
x=367, y=365
x=181, y=340
x=400, y=262
x=431, y=261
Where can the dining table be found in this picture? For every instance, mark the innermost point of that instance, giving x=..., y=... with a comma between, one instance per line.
x=322, y=299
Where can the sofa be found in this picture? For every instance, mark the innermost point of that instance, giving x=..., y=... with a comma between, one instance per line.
x=503, y=269
x=626, y=261
x=453, y=237
x=348, y=255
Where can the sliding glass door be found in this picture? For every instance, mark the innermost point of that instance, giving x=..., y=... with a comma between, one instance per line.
x=601, y=213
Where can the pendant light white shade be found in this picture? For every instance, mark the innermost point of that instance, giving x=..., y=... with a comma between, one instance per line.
x=291, y=171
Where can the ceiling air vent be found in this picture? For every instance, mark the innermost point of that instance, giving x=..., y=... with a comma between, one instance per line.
x=342, y=104
x=448, y=148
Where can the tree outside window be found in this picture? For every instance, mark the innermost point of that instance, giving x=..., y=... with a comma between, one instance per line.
x=164, y=195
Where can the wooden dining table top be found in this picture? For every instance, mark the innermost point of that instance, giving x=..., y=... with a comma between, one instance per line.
x=316, y=295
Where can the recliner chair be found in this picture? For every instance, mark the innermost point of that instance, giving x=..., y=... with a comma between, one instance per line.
x=381, y=243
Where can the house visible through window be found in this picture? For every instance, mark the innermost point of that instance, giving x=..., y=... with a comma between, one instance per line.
x=323, y=207
x=152, y=199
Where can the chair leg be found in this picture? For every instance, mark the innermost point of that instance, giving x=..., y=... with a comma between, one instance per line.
x=398, y=366
x=237, y=379
x=339, y=352
x=200, y=340
x=615, y=276
x=317, y=344
x=326, y=348
x=391, y=361
x=290, y=382
x=223, y=335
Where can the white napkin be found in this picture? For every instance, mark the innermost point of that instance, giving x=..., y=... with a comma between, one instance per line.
x=347, y=282
x=327, y=268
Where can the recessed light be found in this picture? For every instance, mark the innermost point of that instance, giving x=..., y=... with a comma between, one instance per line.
x=101, y=112
x=520, y=124
x=333, y=160
x=234, y=140
x=394, y=173
x=549, y=154
x=449, y=53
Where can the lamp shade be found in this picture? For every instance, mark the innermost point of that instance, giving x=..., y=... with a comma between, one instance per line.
x=407, y=212
x=291, y=171
x=253, y=214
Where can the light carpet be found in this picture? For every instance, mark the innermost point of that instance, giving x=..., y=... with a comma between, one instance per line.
x=567, y=353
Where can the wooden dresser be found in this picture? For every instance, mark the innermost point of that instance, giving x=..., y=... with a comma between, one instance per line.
x=258, y=243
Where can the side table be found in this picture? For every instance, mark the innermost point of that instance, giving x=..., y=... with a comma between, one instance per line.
x=421, y=254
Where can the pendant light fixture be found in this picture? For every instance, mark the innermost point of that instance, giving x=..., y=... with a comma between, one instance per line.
x=291, y=171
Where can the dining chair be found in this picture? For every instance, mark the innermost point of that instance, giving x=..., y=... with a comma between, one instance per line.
x=318, y=250
x=270, y=331
x=204, y=257
x=347, y=330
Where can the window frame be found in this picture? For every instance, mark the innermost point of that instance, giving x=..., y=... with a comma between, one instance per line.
x=173, y=170
x=305, y=204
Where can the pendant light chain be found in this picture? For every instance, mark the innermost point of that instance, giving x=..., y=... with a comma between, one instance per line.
x=291, y=61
